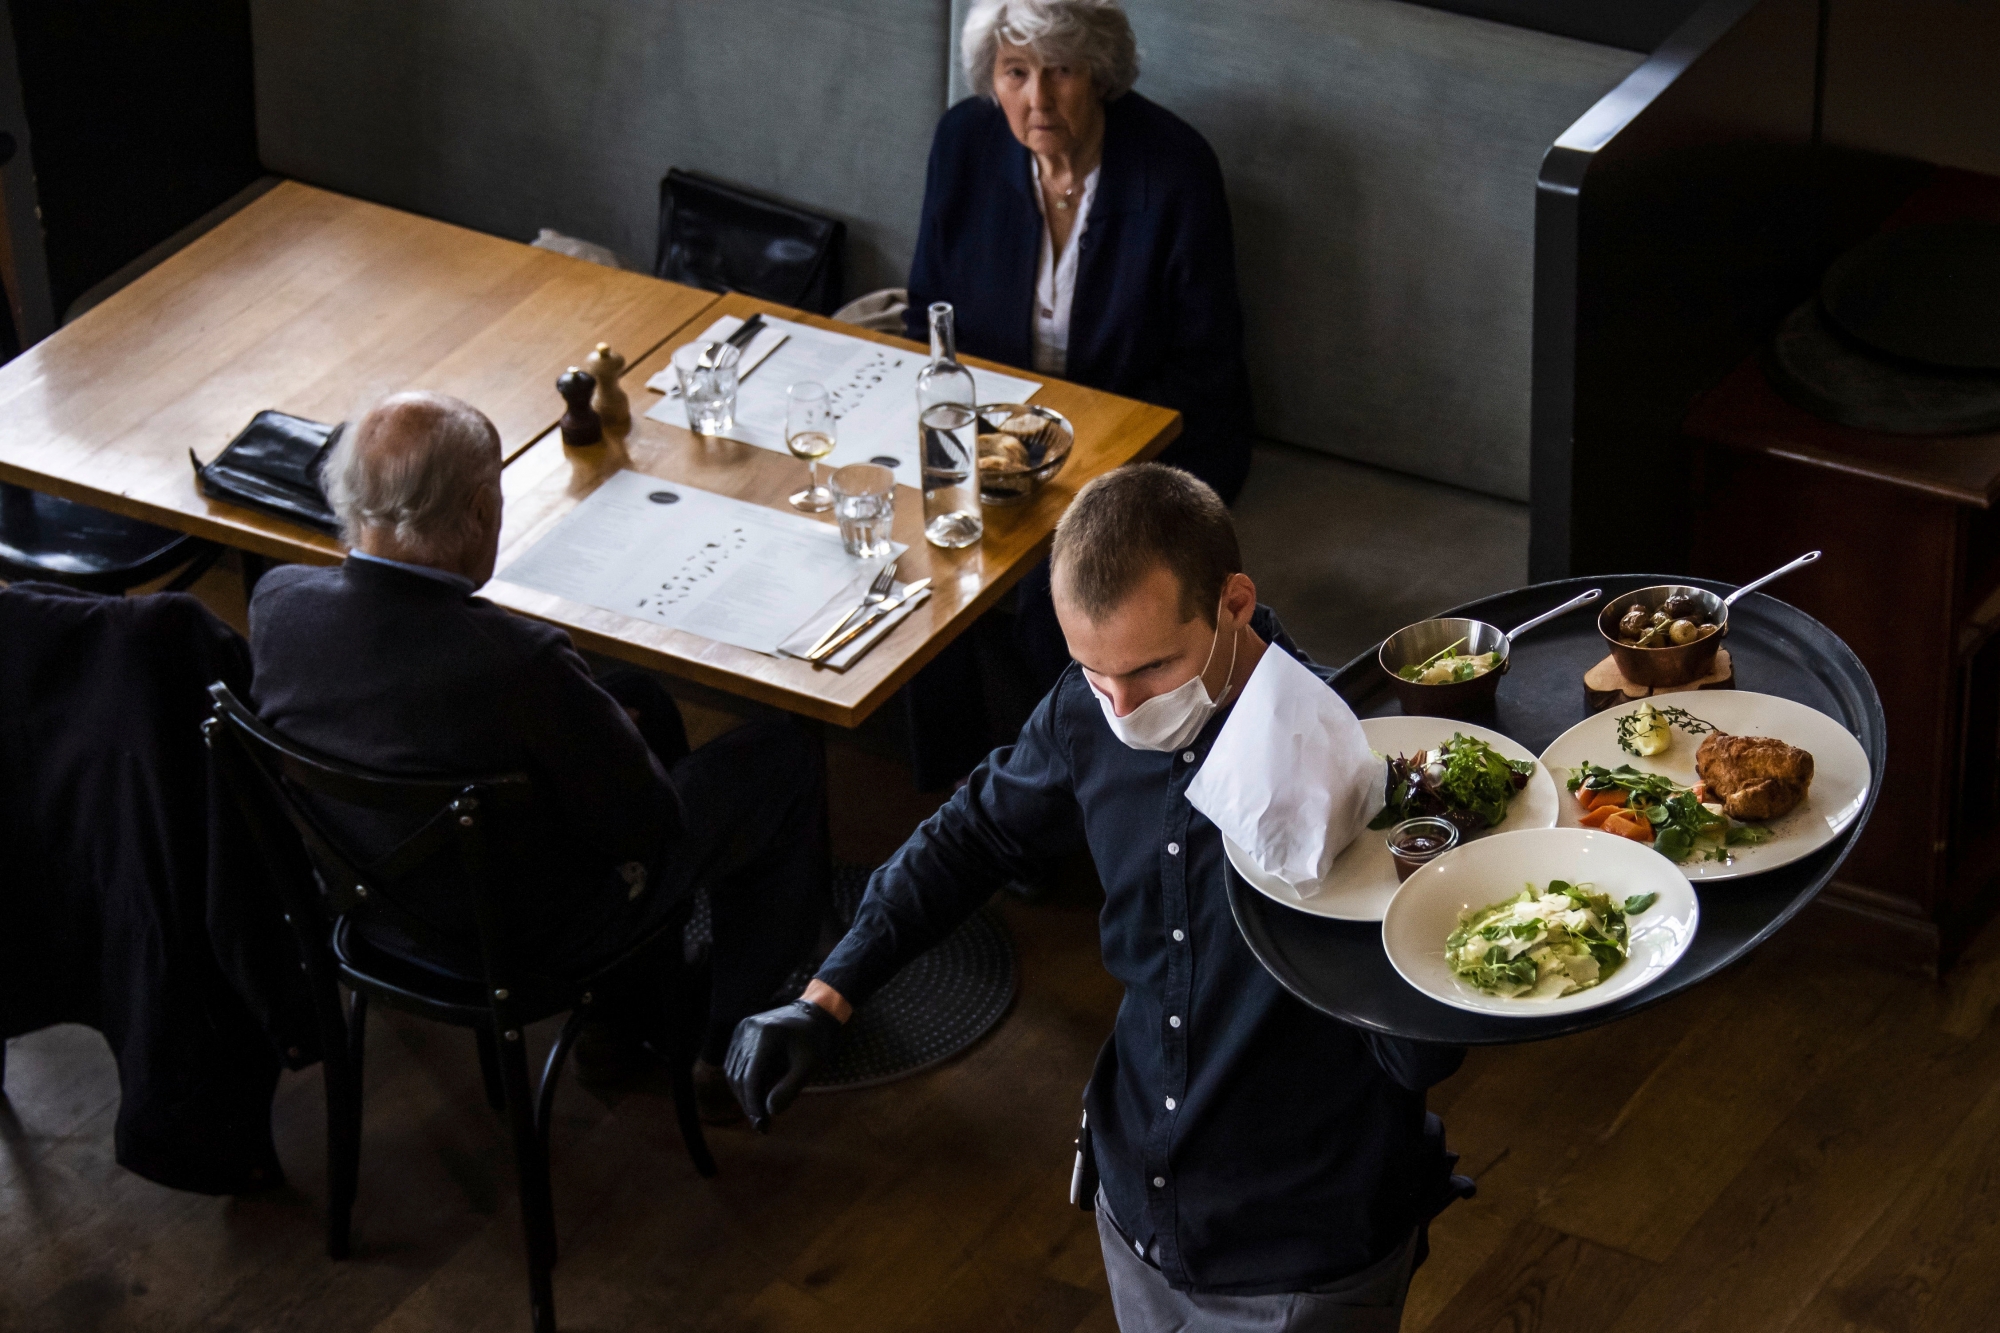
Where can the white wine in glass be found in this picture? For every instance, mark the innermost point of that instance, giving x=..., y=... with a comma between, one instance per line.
x=809, y=434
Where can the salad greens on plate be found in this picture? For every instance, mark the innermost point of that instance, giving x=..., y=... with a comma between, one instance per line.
x=1464, y=780
x=1543, y=944
x=1647, y=807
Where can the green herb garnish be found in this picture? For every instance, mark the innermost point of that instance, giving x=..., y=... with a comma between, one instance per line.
x=1417, y=669
x=1678, y=717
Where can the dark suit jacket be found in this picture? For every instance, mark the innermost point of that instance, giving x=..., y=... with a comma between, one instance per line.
x=405, y=674
x=1155, y=316
x=130, y=899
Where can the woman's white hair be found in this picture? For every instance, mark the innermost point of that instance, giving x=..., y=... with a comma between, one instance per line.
x=412, y=466
x=1092, y=33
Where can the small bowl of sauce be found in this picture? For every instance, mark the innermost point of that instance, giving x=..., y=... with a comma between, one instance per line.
x=1415, y=841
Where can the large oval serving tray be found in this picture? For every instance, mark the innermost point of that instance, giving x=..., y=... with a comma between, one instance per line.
x=1339, y=967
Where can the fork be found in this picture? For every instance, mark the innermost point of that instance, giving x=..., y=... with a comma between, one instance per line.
x=877, y=591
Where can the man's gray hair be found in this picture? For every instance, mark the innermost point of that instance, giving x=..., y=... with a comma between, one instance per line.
x=1092, y=33
x=412, y=465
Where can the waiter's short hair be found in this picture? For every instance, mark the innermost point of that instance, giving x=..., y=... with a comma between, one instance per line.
x=1133, y=518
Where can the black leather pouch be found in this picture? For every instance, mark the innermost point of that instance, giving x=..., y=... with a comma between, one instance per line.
x=273, y=466
x=725, y=239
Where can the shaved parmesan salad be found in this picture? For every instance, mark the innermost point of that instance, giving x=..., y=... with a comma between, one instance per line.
x=1543, y=944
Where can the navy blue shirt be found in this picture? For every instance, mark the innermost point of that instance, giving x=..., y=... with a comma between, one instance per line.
x=1247, y=1143
x=1155, y=315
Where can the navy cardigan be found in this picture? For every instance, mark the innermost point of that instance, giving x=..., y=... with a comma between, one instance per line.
x=1155, y=316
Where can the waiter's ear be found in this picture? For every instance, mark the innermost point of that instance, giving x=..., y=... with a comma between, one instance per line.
x=1239, y=602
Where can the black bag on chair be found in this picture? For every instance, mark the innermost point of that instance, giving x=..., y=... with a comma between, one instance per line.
x=726, y=239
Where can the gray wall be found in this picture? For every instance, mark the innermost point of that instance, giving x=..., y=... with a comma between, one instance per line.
x=513, y=115
x=1381, y=159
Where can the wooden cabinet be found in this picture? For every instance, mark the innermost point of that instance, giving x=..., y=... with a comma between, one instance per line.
x=1911, y=580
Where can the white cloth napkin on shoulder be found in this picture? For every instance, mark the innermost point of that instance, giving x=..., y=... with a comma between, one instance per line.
x=1290, y=779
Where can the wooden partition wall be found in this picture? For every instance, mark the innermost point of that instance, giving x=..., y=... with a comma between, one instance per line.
x=1676, y=224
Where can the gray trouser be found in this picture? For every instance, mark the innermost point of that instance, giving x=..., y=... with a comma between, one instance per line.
x=1370, y=1301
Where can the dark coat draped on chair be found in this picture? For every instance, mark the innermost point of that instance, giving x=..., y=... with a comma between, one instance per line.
x=129, y=901
x=1155, y=314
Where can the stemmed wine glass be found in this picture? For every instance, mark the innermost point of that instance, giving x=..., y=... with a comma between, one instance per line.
x=809, y=434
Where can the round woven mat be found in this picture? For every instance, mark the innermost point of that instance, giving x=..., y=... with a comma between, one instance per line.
x=939, y=1005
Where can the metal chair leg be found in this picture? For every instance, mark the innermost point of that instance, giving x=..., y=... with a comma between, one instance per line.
x=545, y=1100
x=341, y=1067
x=682, y=1012
x=489, y=1069
x=531, y=1168
x=689, y=1116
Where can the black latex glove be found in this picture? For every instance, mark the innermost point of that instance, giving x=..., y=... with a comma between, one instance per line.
x=774, y=1053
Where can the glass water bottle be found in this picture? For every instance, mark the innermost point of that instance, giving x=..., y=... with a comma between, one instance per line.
x=948, y=439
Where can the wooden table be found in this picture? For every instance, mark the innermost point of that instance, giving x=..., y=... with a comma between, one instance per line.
x=314, y=304
x=548, y=481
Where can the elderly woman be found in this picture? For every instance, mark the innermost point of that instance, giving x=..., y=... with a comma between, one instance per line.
x=1082, y=230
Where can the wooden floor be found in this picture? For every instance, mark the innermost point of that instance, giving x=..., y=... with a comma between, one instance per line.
x=1807, y=1144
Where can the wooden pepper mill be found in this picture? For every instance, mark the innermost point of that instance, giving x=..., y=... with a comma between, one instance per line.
x=613, y=409
x=580, y=425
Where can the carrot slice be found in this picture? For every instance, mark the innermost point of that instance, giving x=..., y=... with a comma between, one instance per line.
x=1630, y=824
x=1615, y=797
x=1596, y=818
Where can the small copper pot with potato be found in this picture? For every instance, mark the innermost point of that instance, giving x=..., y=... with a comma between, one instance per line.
x=1681, y=648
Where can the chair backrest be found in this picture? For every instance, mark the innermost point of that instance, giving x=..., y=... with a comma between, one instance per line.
x=265, y=772
x=724, y=238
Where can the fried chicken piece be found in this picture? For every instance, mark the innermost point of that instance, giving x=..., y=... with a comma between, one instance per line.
x=1755, y=777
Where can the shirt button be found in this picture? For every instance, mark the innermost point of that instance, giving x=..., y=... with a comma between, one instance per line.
x=1170, y=1103
x=1187, y=756
x=1180, y=935
x=1173, y=849
x=1138, y=1249
x=1174, y=1020
x=1159, y=1182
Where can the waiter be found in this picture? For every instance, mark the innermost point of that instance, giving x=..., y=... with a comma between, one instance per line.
x=1262, y=1165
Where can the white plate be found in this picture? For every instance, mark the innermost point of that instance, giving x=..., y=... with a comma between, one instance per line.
x=1840, y=770
x=1362, y=879
x=1427, y=908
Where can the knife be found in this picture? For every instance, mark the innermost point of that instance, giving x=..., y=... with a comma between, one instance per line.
x=741, y=339
x=882, y=609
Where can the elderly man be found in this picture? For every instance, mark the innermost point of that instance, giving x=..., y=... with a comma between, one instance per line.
x=1262, y=1166
x=390, y=661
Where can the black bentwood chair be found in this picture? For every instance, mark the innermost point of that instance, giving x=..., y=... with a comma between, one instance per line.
x=47, y=539
x=325, y=892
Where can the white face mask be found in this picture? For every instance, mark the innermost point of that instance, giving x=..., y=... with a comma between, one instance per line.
x=1169, y=721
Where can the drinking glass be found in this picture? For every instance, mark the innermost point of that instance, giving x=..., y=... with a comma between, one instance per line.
x=864, y=504
x=708, y=375
x=948, y=436
x=809, y=434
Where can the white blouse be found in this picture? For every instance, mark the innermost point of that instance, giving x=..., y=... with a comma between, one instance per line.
x=1055, y=277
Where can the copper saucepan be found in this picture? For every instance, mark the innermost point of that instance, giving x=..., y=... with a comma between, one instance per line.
x=1427, y=638
x=1677, y=664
